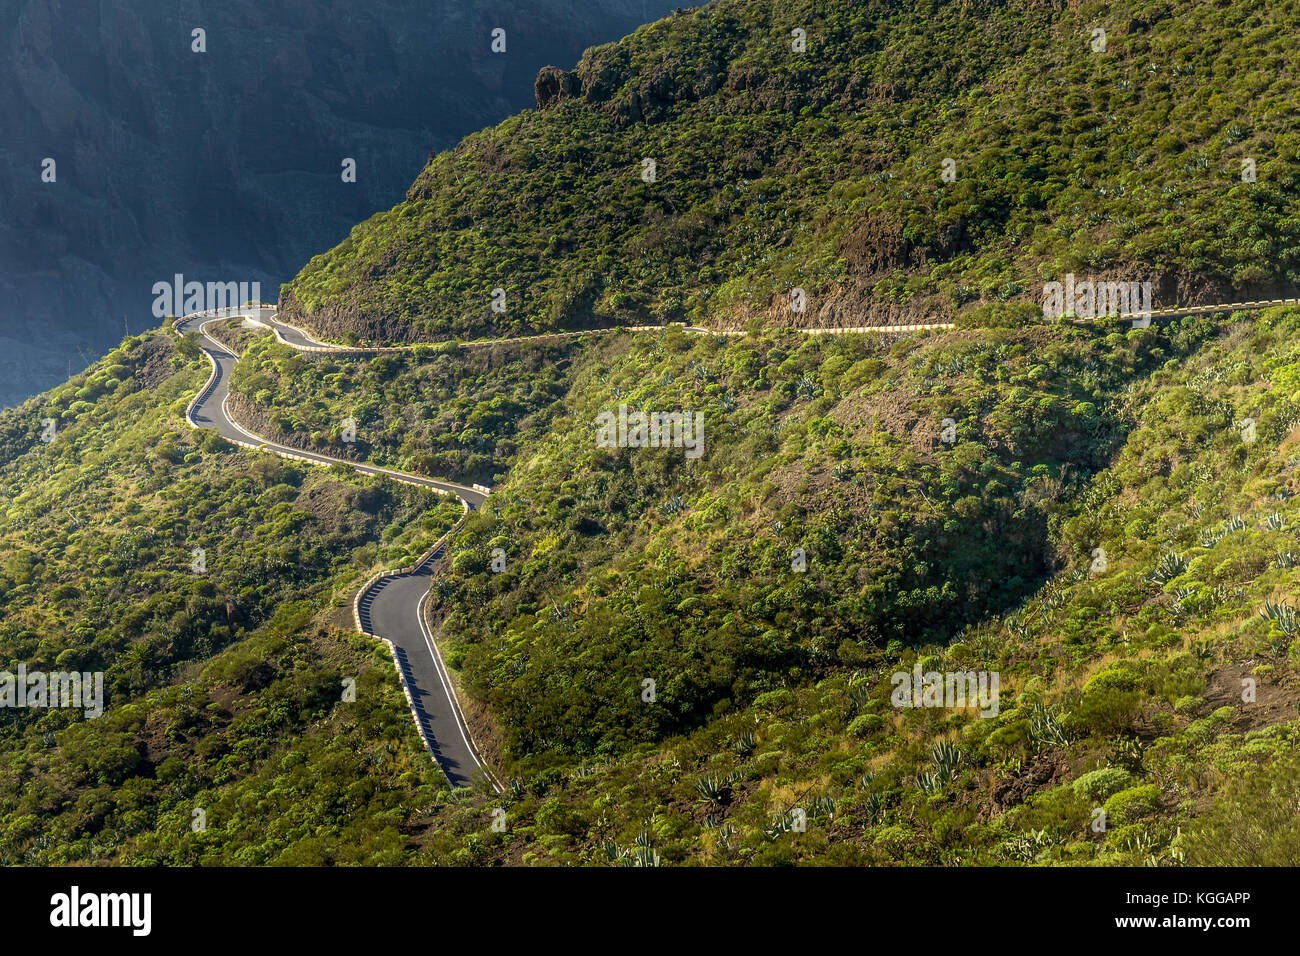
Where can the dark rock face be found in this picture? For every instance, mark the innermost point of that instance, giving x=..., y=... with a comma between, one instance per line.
x=554, y=84
x=226, y=165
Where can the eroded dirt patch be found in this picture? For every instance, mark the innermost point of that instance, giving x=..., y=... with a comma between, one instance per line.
x=1277, y=697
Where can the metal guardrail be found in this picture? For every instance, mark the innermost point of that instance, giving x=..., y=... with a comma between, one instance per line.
x=440, y=663
x=1178, y=310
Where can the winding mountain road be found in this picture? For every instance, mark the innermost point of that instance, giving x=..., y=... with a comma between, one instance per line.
x=390, y=605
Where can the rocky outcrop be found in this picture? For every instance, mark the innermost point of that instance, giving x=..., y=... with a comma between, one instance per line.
x=553, y=85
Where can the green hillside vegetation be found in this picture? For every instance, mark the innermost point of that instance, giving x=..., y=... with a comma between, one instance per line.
x=458, y=414
x=822, y=170
x=1112, y=528
x=223, y=688
x=1121, y=689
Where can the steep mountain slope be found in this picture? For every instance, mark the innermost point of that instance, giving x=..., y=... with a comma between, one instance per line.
x=695, y=660
x=223, y=668
x=1121, y=683
x=1157, y=665
x=824, y=170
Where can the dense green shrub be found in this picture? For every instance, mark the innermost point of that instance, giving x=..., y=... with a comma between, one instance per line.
x=1096, y=785
x=1133, y=804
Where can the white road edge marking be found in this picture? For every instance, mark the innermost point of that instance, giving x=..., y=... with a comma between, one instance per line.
x=445, y=680
x=283, y=451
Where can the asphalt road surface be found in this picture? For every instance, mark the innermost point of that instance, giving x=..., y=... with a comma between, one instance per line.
x=390, y=608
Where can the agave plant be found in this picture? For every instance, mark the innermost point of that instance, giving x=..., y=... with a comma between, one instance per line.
x=1053, y=599
x=1286, y=560
x=1137, y=842
x=1046, y=728
x=775, y=829
x=1284, y=615
x=929, y=783
x=946, y=757
x=874, y=805
x=641, y=856
x=782, y=823
x=822, y=806
x=988, y=646
x=673, y=505
x=1185, y=602
x=1275, y=522
x=711, y=789
x=746, y=744
x=1170, y=565
x=1028, y=846
x=725, y=834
